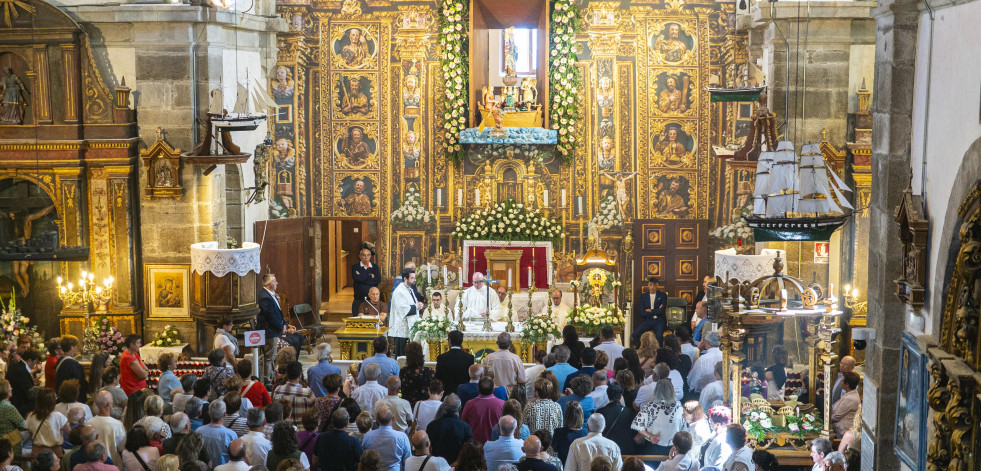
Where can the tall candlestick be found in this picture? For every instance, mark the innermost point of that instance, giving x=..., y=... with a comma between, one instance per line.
x=545, y=198
x=429, y=275
x=562, y=203
x=476, y=197
x=459, y=197
x=459, y=277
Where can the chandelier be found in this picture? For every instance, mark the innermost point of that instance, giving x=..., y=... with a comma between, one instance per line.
x=89, y=295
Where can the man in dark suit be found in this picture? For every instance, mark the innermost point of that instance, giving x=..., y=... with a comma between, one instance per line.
x=451, y=367
x=366, y=275
x=448, y=433
x=22, y=380
x=270, y=319
x=69, y=368
x=652, y=310
x=618, y=419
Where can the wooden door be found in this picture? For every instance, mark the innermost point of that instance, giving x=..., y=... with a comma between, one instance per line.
x=675, y=251
x=291, y=250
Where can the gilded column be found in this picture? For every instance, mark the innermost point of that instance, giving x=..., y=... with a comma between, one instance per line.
x=42, y=88
x=70, y=68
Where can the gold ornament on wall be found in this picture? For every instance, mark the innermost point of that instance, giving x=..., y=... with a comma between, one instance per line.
x=163, y=169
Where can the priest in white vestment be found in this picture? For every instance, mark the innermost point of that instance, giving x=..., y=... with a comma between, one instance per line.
x=405, y=311
x=478, y=301
x=560, y=312
x=436, y=306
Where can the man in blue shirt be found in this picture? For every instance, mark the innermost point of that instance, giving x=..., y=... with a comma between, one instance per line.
x=337, y=449
x=217, y=437
x=580, y=387
x=193, y=410
x=506, y=449
x=315, y=375
x=387, y=365
x=701, y=311
x=392, y=446
x=562, y=368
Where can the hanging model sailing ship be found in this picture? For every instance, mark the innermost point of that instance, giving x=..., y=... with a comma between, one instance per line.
x=797, y=201
x=247, y=114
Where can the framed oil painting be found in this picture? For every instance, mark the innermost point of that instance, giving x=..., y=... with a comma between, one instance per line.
x=911, y=416
x=168, y=290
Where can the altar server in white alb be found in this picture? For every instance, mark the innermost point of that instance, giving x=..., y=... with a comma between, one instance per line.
x=478, y=301
x=405, y=311
x=437, y=306
x=560, y=311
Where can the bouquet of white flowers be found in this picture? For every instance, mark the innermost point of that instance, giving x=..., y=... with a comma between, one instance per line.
x=539, y=329
x=608, y=215
x=508, y=220
x=590, y=318
x=432, y=328
x=167, y=337
x=14, y=324
x=737, y=229
x=411, y=213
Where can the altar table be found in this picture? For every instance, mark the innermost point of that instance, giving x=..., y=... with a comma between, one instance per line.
x=480, y=343
x=519, y=302
x=150, y=353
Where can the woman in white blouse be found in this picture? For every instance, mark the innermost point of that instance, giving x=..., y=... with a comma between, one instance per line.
x=139, y=455
x=660, y=418
x=47, y=426
x=68, y=398
x=226, y=341
x=697, y=424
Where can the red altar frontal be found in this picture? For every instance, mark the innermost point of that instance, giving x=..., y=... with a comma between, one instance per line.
x=524, y=260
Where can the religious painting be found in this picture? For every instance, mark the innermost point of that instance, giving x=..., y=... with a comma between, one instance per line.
x=28, y=217
x=672, y=196
x=911, y=413
x=354, y=47
x=410, y=154
x=357, y=195
x=284, y=155
x=674, y=92
x=283, y=85
x=606, y=156
x=167, y=290
x=673, y=147
x=410, y=248
x=354, y=95
x=356, y=145
x=672, y=43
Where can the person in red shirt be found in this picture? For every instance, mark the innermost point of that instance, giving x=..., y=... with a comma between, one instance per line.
x=252, y=390
x=132, y=371
x=483, y=412
x=54, y=354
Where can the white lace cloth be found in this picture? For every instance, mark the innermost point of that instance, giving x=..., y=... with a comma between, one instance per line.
x=207, y=257
x=744, y=267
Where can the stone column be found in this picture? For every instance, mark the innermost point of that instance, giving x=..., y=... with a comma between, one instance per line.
x=895, y=56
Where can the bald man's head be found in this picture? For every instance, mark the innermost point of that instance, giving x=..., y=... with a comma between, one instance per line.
x=420, y=443
x=394, y=384
x=103, y=402
x=532, y=446
x=847, y=364
x=89, y=434
x=236, y=450
x=384, y=415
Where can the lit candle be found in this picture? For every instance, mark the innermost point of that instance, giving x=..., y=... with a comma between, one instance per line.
x=783, y=299
x=509, y=278
x=855, y=293
x=59, y=280
x=476, y=197
x=562, y=203
x=831, y=289
x=579, y=204
x=459, y=278
x=459, y=197
x=848, y=289
x=439, y=197
x=445, y=279
x=545, y=198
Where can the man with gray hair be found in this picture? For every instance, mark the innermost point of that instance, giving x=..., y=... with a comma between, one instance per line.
x=391, y=445
x=95, y=458
x=370, y=391
x=583, y=450
x=600, y=385
x=703, y=371
x=508, y=367
x=257, y=446
x=180, y=427
x=316, y=373
x=236, y=457
x=216, y=436
x=562, y=369
x=447, y=432
x=401, y=408
x=478, y=302
x=506, y=449
x=108, y=428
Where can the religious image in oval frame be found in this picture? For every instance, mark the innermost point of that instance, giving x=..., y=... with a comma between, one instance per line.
x=354, y=95
x=675, y=92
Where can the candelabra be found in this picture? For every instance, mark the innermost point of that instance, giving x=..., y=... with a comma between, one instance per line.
x=510, y=326
x=859, y=309
x=90, y=295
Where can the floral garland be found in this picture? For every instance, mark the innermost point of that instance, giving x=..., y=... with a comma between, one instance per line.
x=608, y=215
x=539, y=329
x=801, y=425
x=453, y=42
x=737, y=229
x=564, y=80
x=509, y=221
x=590, y=318
x=411, y=213
x=167, y=337
x=431, y=328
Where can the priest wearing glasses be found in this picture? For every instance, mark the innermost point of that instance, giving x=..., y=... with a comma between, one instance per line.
x=478, y=301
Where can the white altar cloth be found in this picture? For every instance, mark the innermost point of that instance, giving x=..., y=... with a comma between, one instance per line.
x=744, y=267
x=149, y=353
x=207, y=257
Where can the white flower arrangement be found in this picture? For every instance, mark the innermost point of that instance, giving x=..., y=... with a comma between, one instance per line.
x=453, y=36
x=508, y=220
x=738, y=229
x=168, y=337
x=411, y=213
x=434, y=327
x=608, y=215
x=564, y=80
x=590, y=318
x=539, y=329
x=14, y=324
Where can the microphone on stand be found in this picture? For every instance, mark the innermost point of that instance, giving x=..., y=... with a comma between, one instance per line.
x=377, y=312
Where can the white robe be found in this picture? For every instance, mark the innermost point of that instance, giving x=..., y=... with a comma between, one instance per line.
x=399, y=323
x=436, y=311
x=475, y=303
x=560, y=314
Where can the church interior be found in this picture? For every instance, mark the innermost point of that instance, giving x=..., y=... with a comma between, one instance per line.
x=779, y=160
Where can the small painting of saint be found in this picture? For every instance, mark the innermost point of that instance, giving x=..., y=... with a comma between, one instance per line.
x=411, y=251
x=357, y=196
x=354, y=95
x=672, y=196
x=673, y=92
x=411, y=96
x=411, y=152
x=283, y=84
x=163, y=176
x=284, y=155
x=606, y=157
x=673, y=147
x=673, y=43
x=355, y=48
x=355, y=147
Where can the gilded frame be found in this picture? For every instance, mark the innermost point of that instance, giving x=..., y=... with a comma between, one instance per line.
x=155, y=277
x=911, y=407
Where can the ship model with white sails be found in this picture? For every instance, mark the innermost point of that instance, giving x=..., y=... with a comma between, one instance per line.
x=797, y=200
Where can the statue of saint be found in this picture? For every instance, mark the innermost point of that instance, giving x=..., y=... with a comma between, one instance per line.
x=354, y=101
x=498, y=118
x=411, y=96
x=510, y=53
x=164, y=177
x=670, y=45
x=606, y=158
x=283, y=85
x=284, y=155
x=355, y=149
x=22, y=223
x=509, y=95
x=672, y=151
x=671, y=201
x=528, y=91
x=411, y=152
x=489, y=99
x=358, y=203
x=672, y=99
x=14, y=98
x=356, y=53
